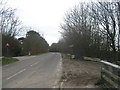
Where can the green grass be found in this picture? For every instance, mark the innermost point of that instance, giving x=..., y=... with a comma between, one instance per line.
x=92, y=59
x=7, y=60
x=0, y=62
x=36, y=54
x=98, y=82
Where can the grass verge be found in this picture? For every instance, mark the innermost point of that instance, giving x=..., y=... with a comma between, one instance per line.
x=98, y=82
x=37, y=54
x=6, y=60
x=92, y=59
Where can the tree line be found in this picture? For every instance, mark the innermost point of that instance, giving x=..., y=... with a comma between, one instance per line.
x=92, y=29
x=10, y=27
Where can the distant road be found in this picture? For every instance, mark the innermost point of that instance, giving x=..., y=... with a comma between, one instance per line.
x=32, y=72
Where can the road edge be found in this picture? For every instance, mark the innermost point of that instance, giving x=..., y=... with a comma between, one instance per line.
x=58, y=73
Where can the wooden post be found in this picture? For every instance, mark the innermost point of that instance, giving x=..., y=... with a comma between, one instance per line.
x=110, y=74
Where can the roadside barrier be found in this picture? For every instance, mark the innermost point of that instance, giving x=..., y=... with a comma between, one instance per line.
x=110, y=74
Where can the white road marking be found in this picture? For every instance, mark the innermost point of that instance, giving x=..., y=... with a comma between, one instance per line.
x=34, y=64
x=16, y=74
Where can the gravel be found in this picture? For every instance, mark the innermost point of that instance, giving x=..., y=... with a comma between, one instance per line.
x=79, y=73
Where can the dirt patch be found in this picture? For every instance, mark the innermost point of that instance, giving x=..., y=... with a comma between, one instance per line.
x=79, y=73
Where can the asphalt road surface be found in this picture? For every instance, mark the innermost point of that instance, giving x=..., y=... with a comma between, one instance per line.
x=32, y=72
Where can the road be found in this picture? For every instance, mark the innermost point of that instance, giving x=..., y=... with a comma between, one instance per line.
x=33, y=72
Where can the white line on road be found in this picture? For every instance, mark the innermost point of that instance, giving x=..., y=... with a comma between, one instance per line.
x=16, y=74
x=34, y=64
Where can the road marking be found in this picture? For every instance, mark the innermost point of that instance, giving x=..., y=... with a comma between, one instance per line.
x=34, y=64
x=16, y=74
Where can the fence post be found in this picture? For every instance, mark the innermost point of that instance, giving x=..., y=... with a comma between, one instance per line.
x=110, y=74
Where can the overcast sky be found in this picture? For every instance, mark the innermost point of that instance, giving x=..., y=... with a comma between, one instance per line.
x=45, y=15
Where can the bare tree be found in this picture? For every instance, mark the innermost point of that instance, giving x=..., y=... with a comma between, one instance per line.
x=106, y=16
x=9, y=23
x=77, y=30
x=118, y=15
x=92, y=28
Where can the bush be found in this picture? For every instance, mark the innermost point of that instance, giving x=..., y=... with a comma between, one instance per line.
x=14, y=49
x=7, y=60
x=98, y=82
